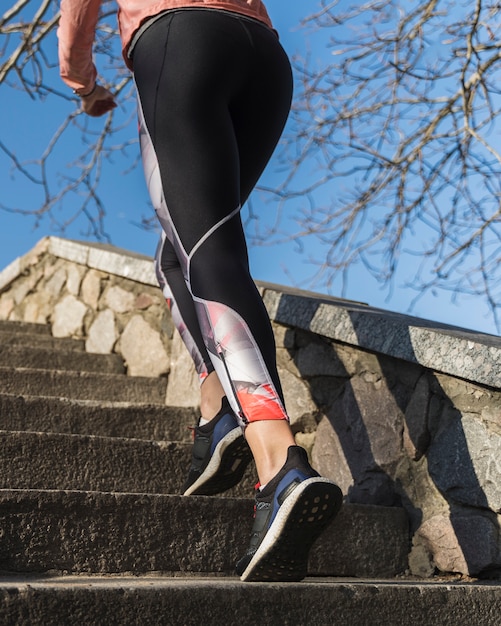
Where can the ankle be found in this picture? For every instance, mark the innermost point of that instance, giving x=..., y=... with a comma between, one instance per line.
x=209, y=410
x=211, y=396
x=269, y=441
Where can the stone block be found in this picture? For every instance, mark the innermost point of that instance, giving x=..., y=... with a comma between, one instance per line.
x=10, y=273
x=328, y=456
x=119, y=300
x=416, y=434
x=491, y=415
x=194, y=600
x=375, y=420
x=463, y=541
x=94, y=417
x=95, y=532
x=6, y=306
x=56, y=282
x=143, y=350
x=73, y=251
x=83, y=385
x=38, y=307
x=297, y=396
x=183, y=388
x=22, y=288
x=465, y=463
x=74, y=278
x=91, y=288
x=132, y=266
x=284, y=337
x=68, y=316
x=319, y=359
x=102, y=333
x=145, y=300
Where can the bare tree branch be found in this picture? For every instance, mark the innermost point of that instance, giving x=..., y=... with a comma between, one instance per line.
x=391, y=158
x=28, y=62
x=402, y=127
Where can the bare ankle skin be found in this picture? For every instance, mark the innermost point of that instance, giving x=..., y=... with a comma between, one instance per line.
x=211, y=395
x=269, y=441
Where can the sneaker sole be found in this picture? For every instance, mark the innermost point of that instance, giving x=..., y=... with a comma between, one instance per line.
x=305, y=514
x=226, y=467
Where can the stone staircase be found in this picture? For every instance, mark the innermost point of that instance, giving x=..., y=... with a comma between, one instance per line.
x=92, y=530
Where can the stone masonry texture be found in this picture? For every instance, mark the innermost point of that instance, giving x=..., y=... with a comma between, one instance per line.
x=398, y=411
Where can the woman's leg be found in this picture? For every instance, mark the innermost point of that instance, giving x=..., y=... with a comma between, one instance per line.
x=180, y=303
x=188, y=96
x=269, y=459
x=215, y=92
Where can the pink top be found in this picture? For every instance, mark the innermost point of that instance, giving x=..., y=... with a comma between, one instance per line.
x=78, y=23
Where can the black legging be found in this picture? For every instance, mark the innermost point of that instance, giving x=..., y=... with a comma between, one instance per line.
x=214, y=91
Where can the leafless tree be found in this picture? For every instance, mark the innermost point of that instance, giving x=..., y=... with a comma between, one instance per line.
x=392, y=150
x=395, y=147
x=28, y=62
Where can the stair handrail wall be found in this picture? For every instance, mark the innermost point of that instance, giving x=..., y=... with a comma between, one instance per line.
x=398, y=410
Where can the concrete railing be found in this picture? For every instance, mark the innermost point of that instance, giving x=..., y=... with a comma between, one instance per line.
x=398, y=410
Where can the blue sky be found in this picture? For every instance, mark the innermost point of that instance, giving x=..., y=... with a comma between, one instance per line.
x=28, y=125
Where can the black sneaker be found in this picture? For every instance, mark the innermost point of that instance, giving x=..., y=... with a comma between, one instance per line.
x=220, y=455
x=291, y=512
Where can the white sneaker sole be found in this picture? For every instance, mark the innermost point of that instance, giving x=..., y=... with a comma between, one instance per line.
x=283, y=553
x=214, y=465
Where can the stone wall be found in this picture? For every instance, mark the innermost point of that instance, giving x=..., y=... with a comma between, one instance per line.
x=410, y=415
x=398, y=411
x=58, y=284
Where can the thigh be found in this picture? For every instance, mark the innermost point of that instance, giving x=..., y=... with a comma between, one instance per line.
x=260, y=112
x=185, y=71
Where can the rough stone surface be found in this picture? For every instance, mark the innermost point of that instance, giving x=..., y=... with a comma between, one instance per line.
x=91, y=288
x=184, y=387
x=37, y=308
x=64, y=344
x=56, y=282
x=299, y=402
x=89, y=532
x=119, y=300
x=82, y=385
x=37, y=358
x=93, y=417
x=145, y=300
x=102, y=333
x=464, y=461
x=74, y=275
x=461, y=541
x=329, y=458
x=161, y=600
x=369, y=434
x=90, y=463
x=68, y=317
x=416, y=432
x=143, y=349
x=6, y=306
x=451, y=350
x=399, y=410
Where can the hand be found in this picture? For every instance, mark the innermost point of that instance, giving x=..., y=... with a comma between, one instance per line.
x=99, y=102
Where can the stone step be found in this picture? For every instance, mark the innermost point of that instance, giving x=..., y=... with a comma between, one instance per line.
x=83, y=385
x=39, y=358
x=101, y=601
x=115, y=533
x=24, y=327
x=89, y=463
x=41, y=340
x=90, y=417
